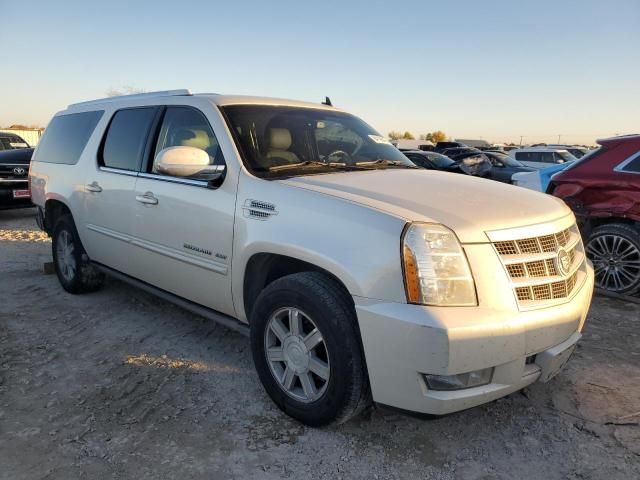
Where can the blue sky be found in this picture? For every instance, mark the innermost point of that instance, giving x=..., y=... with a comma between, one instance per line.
x=490, y=69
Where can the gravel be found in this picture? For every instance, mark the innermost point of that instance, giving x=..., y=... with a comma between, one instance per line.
x=119, y=384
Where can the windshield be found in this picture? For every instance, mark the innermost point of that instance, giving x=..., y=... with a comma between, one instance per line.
x=505, y=159
x=566, y=156
x=440, y=161
x=281, y=141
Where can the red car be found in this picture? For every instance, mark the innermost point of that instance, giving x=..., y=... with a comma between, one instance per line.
x=603, y=190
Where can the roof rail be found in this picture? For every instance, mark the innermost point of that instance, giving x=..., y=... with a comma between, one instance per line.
x=135, y=96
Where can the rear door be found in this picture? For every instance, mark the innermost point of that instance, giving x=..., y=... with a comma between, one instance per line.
x=183, y=227
x=109, y=206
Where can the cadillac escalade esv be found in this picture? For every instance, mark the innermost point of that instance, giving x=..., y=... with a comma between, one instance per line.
x=357, y=276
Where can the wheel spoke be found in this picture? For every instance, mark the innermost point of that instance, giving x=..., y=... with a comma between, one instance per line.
x=308, y=385
x=295, y=322
x=604, y=248
x=630, y=250
x=313, y=339
x=279, y=329
x=319, y=367
x=275, y=354
x=288, y=377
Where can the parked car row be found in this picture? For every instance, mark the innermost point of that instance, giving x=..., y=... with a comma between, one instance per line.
x=602, y=186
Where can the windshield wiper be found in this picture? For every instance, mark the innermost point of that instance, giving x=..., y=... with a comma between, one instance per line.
x=314, y=163
x=387, y=163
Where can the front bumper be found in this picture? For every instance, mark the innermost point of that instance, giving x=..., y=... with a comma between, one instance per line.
x=403, y=342
x=7, y=199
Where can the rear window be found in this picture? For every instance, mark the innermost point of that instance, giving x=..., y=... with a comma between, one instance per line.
x=66, y=136
x=127, y=137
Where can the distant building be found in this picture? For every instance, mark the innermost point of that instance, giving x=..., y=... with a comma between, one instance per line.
x=29, y=135
x=412, y=144
x=474, y=143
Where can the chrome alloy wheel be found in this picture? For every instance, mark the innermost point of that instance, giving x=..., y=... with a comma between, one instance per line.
x=65, y=255
x=616, y=262
x=297, y=355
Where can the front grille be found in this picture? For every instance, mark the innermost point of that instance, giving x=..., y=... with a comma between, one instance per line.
x=533, y=265
x=545, y=244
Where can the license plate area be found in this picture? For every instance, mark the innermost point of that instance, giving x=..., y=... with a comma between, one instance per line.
x=553, y=360
x=22, y=193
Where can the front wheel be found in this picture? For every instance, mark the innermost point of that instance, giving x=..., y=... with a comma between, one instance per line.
x=307, y=351
x=615, y=252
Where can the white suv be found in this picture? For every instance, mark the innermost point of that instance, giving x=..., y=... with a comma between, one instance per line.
x=358, y=276
x=541, y=157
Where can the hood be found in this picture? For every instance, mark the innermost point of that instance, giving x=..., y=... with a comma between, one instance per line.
x=468, y=205
x=16, y=156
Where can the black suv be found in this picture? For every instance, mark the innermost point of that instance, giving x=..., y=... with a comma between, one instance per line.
x=14, y=178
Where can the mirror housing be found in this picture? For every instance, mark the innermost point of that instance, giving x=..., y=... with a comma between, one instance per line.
x=189, y=162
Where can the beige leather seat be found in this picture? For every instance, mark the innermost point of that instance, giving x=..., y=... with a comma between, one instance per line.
x=200, y=139
x=279, y=143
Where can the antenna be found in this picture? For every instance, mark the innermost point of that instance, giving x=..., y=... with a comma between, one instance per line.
x=327, y=102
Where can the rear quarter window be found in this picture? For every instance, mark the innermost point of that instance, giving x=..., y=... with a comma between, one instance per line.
x=66, y=136
x=632, y=165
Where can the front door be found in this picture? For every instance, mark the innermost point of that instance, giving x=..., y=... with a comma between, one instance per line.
x=183, y=228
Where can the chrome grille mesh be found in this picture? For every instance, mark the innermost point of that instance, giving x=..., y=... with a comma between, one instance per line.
x=539, y=279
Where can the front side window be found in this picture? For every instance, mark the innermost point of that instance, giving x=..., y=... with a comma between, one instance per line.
x=278, y=141
x=126, y=138
x=187, y=127
x=66, y=136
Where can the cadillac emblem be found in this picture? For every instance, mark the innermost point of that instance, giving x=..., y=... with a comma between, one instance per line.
x=563, y=262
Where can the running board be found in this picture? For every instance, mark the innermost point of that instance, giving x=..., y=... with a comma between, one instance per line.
x=192, y=307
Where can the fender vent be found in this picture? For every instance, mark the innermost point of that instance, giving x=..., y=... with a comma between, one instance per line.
x=258, y=210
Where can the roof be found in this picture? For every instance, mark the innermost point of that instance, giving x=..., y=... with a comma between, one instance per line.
x=217, y=99
x=620, y=138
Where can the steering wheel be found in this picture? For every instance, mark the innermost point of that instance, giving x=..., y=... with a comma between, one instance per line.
x=346, y=158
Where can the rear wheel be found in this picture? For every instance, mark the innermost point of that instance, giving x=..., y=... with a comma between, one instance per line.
x=615, y=252
x=307, y=351
x=73, y=268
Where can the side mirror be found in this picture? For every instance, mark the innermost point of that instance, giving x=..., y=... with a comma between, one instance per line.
x=189, y=162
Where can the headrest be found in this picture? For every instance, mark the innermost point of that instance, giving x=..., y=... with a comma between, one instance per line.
x=279, y=138
x=194, y=138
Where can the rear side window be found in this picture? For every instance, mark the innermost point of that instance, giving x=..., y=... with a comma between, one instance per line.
x=66, y=136
x=633, y=166
x=126, y=138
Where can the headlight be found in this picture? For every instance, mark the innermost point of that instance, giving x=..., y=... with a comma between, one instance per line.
x=436, y=271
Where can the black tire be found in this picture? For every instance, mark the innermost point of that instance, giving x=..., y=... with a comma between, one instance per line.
x=84, y=277
x=600, y=240
x=347, y=391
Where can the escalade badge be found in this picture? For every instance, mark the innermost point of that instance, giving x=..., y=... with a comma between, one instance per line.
x=18, y=171
x=563, y=262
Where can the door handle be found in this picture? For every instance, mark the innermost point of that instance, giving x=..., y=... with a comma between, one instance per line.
x=94, y=187
x=147, y=199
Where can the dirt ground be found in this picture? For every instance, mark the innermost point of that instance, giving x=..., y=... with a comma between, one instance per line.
x=119, y=384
